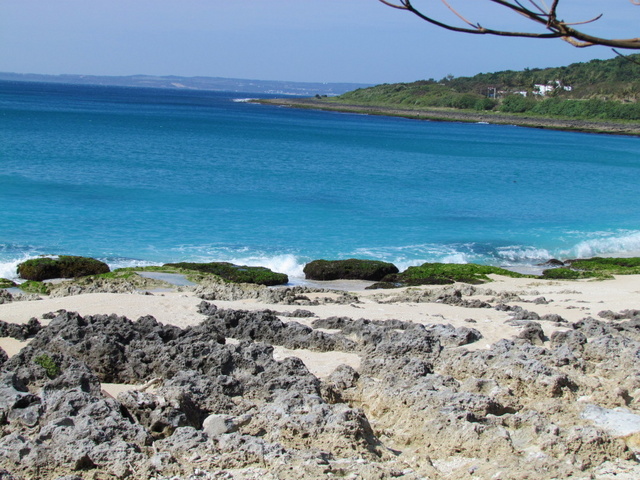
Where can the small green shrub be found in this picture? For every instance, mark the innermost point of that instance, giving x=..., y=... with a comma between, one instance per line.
x=50, y=366
x=517, y=104
x=485, y=104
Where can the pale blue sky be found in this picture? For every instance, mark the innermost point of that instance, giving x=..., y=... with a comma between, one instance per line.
x=299, y=40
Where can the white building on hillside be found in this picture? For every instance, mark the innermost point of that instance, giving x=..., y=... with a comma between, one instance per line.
x=541, y=89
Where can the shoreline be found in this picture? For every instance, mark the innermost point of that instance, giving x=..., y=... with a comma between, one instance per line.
x=451, y=115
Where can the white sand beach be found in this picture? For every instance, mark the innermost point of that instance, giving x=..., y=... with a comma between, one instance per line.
x=573, y=300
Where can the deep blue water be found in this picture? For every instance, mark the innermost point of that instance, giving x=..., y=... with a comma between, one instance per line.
x=143, y=176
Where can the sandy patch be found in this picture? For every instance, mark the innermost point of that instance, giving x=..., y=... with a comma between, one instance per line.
x=321, y=364
x=12, y=346
x=170, y=308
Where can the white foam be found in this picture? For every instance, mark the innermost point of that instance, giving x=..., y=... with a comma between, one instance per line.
x=522, y=254
x=9, y=267
x=115, y=263
x=286, y=263
x=626, y=244
x=243, y=100
x=459, y=258
x=407, y=256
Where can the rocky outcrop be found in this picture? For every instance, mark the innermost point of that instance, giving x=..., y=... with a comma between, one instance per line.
x=65, y=266
x=235, y=273
x=7, y=297
x=420, y=405
x=442, y=274
x=130, y=284
x=351, y=269
x=265, y=327
x=270, y=410
x=215, y=290
x=22, y=331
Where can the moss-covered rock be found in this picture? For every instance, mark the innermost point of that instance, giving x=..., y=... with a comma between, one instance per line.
x=32, y=286
x=6, y=283
x=351, y=269
x=65, y=266
x=565, y=273
x=596, y=267
x=611, y=266
x=447, y=273
x=236, y=273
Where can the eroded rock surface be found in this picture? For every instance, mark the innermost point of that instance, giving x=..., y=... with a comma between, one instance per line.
x=420, y=406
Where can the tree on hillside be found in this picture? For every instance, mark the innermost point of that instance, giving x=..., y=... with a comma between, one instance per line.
x=537, y=11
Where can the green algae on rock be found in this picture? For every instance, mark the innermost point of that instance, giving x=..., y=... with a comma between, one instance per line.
x=64, y=266
x=350, y=269
x=596, y=267
x=443, y=274
x=236, y=273
x=32, y=286
x=6, y=283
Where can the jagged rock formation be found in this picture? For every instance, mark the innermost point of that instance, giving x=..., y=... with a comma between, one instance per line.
x=420, y=406
x=211, y=289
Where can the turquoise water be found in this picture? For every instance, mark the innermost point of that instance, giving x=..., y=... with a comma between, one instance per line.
x=142, y=176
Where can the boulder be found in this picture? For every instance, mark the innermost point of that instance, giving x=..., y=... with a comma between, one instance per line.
x=351, y=269
x=65, y=266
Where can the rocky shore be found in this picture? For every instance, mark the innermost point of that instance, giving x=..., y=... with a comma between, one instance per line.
x=451, y=115
x=518, y=378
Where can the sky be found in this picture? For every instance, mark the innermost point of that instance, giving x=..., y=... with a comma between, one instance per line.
x=359, y=41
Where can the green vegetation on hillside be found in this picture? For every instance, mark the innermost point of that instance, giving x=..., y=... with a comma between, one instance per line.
x=599, y=89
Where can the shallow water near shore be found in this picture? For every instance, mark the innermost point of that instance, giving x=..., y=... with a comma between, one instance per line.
x=142, y=176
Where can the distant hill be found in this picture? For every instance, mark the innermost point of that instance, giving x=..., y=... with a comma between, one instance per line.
x=193, y=83
x=604, y=89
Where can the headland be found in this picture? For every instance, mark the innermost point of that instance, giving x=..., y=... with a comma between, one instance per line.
x=455, y=115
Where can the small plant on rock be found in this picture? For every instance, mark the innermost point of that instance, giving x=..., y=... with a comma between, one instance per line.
x=50, y=366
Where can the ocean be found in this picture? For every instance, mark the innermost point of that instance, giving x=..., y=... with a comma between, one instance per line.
x=137, y=176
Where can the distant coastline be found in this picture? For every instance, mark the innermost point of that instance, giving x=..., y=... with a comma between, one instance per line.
x=173, y=82
x=452, y=115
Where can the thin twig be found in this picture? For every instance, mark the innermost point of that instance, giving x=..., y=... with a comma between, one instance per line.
x=457, y=14
x=626, y=57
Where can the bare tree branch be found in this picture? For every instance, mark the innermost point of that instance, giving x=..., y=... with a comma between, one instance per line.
x=626, y=57
x=539, y=13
